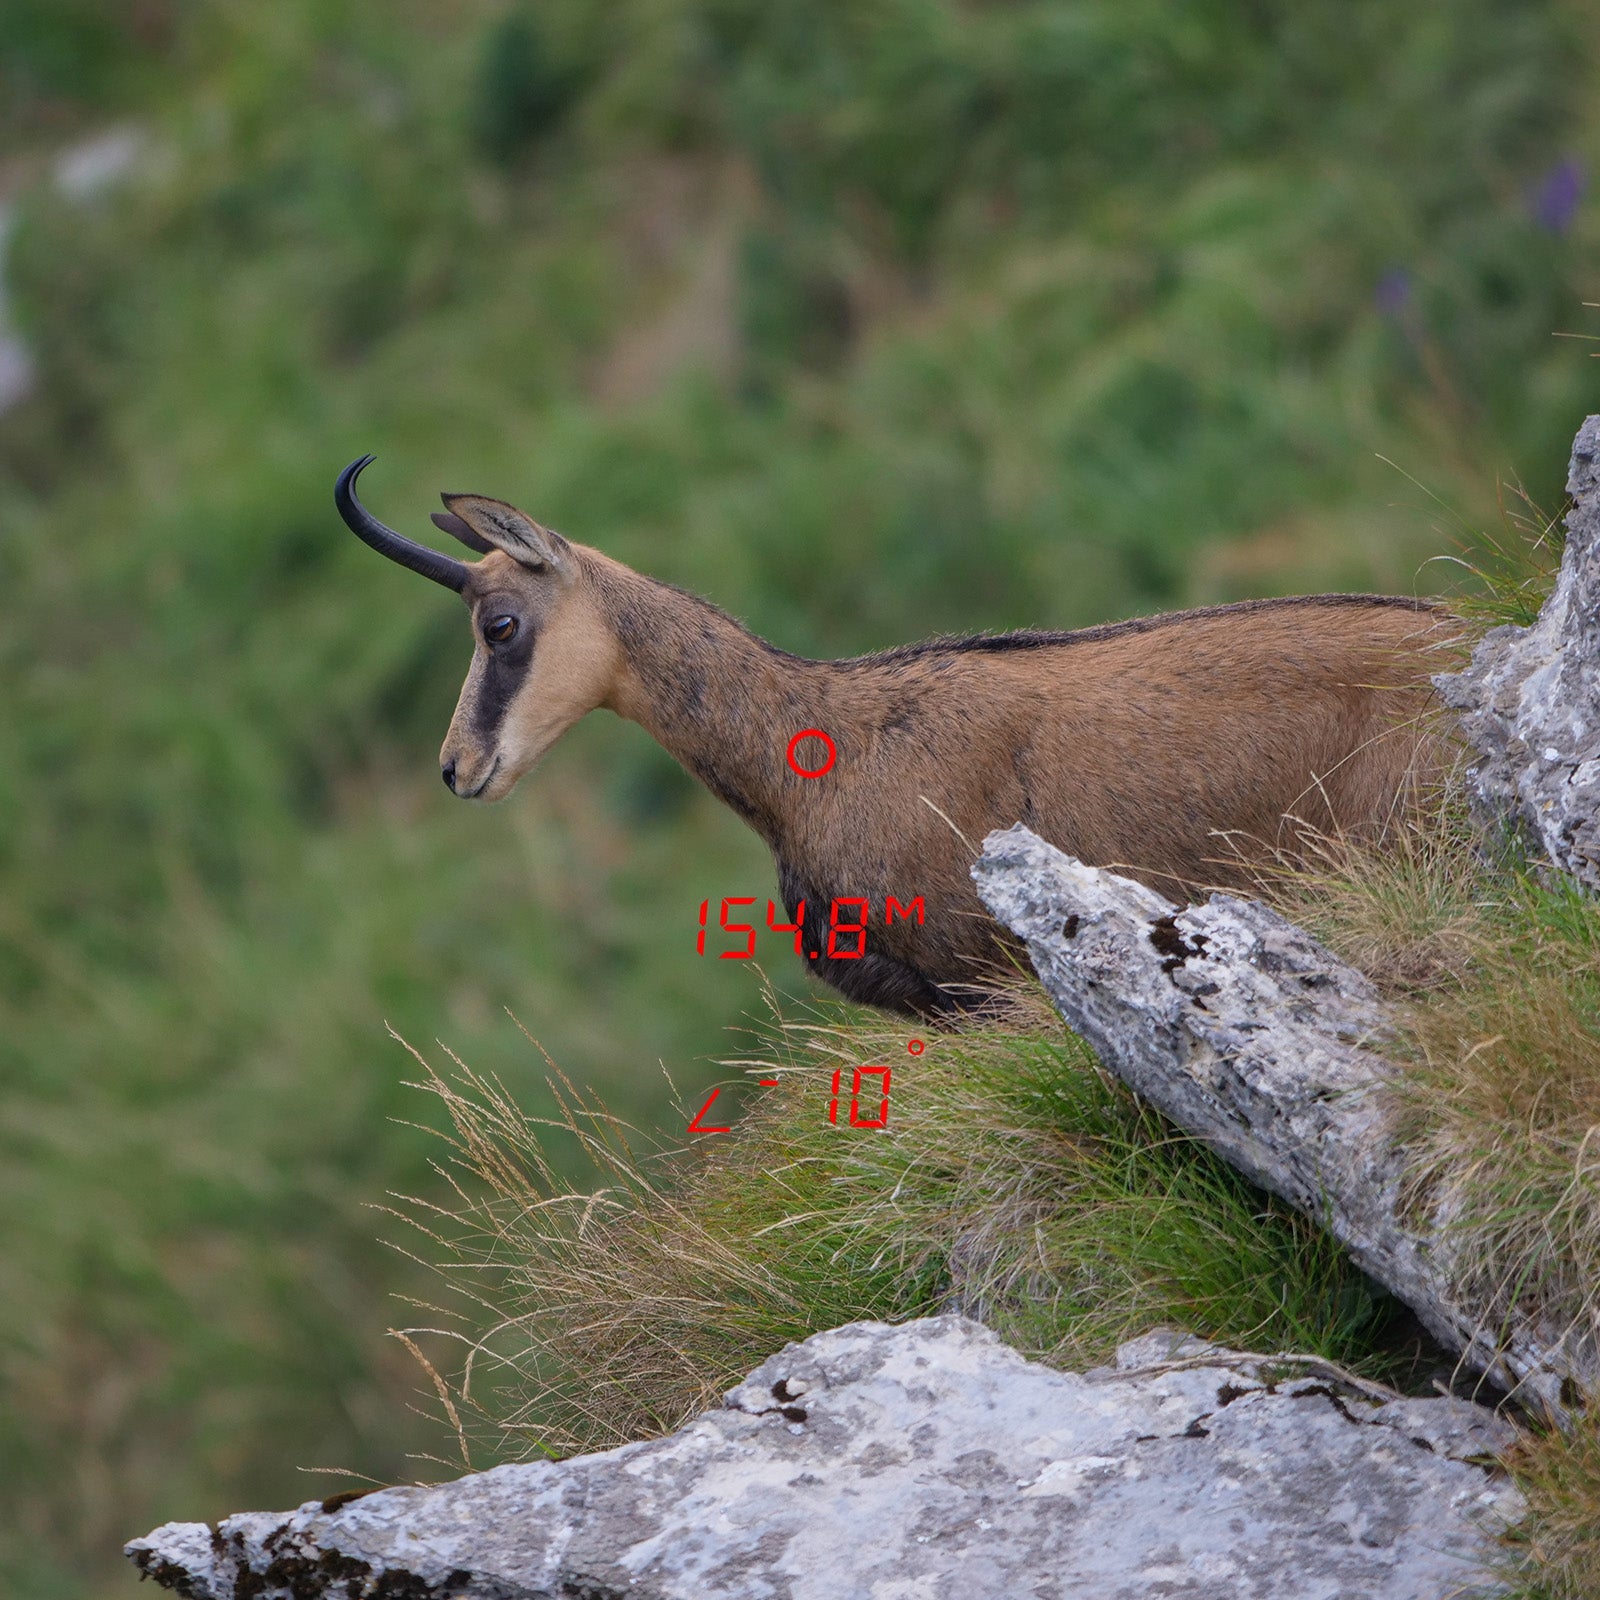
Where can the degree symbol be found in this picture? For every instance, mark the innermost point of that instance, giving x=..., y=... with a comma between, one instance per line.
x=805, y=772
x=915, y=1048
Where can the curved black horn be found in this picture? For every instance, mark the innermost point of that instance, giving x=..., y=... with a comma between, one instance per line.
x=451, y=573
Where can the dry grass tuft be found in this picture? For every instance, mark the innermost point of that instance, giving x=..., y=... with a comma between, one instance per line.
x=1408, y=910
x=1494, y=970
x=1504, y=1100
x=1557, y=1548
x=599, y=1311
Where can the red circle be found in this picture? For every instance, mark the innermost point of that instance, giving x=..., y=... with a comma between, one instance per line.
x=915, y=1048
x=811, y=733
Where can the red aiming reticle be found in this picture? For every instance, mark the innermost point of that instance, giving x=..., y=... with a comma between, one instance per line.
x=810, y=772
x=838, y=925
x=856, y=1119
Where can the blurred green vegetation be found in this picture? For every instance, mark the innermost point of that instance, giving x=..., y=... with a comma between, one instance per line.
x=867, y=318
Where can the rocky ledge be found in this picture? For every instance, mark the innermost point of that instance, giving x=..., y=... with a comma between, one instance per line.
x=1530, y=699
x=928, y=1461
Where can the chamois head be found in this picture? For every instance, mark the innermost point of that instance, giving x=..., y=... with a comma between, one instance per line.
x=542, y=656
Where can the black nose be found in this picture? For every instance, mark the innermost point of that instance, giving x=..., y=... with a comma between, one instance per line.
x=449, y=775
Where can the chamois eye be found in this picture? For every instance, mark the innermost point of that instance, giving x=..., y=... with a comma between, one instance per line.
x=501, y=631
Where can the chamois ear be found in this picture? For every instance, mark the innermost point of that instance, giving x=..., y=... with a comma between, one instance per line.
x=503, y=527
x=457, y=529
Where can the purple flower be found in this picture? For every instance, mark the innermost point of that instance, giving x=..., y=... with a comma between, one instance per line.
x=1555, y=200
x=1393, y=293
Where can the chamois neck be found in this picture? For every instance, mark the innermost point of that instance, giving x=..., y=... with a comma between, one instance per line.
x=721, y=700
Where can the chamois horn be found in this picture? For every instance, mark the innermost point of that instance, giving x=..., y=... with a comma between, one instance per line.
x=447, y=570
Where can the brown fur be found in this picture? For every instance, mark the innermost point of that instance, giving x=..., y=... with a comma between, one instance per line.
x=1179, y=748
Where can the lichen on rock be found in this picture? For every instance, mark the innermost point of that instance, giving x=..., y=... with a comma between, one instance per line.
x=1529, y=701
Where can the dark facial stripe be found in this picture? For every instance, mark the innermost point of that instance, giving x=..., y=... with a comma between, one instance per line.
x=503, y=675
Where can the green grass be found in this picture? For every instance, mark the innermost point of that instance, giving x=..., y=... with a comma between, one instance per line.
x=1494, y=965
x=1014, y=1182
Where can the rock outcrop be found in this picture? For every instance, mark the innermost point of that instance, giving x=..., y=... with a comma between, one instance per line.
x=1250, y=1036
x=930, y=1462
x=1529, y=701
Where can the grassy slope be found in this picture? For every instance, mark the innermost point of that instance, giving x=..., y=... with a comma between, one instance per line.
x=867, y=321
x=1013, y=1181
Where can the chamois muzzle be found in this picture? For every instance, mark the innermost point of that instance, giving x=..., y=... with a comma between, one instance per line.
x=447, y=570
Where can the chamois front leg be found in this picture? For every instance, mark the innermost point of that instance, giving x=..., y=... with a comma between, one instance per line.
x=870, y=979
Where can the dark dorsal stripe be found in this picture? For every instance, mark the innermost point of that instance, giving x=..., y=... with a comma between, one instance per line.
x=1035, y=639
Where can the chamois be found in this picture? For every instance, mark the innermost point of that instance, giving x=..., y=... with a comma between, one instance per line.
x=1133, y=744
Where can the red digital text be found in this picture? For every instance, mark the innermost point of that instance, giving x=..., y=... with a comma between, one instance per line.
x=881, y=1120
x=846, y=937
x=868, y=1098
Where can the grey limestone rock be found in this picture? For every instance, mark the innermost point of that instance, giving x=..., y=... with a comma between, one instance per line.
x=928, y=1461
x=1253, y=1038
x=1529, y=702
